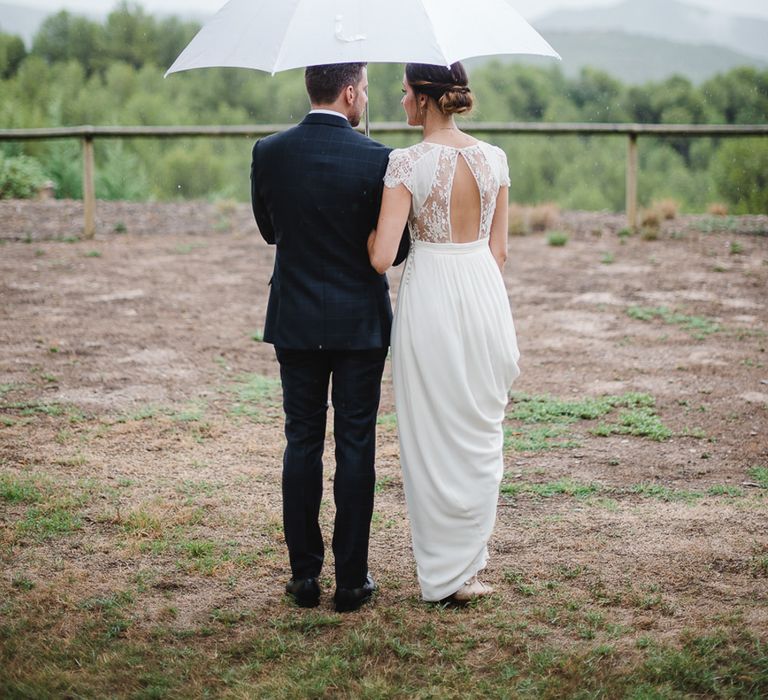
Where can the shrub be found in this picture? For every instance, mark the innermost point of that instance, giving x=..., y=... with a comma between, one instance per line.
x=666, y=208
x=226, y=207
x=64, y=165
x=188, y=171
x=650, y=223
x=557, y=239
x=20, y=177
x=650, y=218
x=544, y=216
x=717, y=209
x=741, y=174
x=121, y=175
x=518, y=220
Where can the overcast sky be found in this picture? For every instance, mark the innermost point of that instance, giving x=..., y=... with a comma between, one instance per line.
x=530, y=9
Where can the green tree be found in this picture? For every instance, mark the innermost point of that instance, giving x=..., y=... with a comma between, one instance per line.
x=677, y=101
x=172, y=36
x=64, y=165
x=598, y=96
x=189, y=171
x=741, y=174
x=12, y=53
x=131, y=35
x=64, y=37
x=640, y=105
x=385, y=91
x=32, y=82
x=120, y=174
x=739, y=96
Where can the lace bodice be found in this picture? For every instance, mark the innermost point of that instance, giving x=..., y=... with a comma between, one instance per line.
x=427, y=171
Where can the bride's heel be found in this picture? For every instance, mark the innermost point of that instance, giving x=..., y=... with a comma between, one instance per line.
x=473, y=589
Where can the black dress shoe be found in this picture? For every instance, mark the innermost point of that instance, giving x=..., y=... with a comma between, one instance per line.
x=304, y=591
x=350, y=599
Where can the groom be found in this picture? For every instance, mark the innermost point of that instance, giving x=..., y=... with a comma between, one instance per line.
x=316, y=192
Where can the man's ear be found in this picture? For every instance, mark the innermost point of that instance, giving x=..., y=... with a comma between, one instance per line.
x=350, y=94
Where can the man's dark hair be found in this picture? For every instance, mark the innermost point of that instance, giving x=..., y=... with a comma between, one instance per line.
x=325, y=83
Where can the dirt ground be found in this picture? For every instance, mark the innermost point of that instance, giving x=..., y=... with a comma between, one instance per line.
x=136, y=397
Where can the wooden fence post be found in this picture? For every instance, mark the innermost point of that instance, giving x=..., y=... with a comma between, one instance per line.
x=632, y=182
x=89, y=191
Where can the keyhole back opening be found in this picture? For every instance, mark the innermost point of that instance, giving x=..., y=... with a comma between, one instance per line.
x=465, y=203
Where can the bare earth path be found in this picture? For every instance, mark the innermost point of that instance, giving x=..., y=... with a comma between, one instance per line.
x=140, y=447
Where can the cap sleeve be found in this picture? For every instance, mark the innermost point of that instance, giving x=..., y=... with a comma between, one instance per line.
x=503, y=169
x=399, y=170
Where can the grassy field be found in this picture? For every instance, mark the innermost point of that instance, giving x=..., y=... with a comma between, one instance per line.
x=141, y=541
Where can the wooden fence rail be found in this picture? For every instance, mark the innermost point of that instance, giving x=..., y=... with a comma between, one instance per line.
x=88, y=134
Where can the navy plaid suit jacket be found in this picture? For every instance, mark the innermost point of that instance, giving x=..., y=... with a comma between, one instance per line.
x=316, y=192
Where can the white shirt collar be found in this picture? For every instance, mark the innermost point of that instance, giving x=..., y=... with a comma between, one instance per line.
x=329, y=111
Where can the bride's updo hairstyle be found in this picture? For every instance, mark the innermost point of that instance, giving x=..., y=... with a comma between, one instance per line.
x=448, y=87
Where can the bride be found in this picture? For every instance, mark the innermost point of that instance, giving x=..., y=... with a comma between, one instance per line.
x=454, y=350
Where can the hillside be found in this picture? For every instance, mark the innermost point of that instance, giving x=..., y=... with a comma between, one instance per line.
x=639, y=59
x=666, y=19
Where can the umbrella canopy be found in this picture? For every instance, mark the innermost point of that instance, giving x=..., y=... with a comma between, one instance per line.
x=277, y=35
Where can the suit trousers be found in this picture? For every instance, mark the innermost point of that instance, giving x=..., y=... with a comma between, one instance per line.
x=355, y=393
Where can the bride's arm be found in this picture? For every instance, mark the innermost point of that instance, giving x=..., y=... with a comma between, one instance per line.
x=385, y=239
x=500, y=228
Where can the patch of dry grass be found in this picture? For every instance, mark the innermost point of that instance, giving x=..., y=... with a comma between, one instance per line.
x=525, y=219
x=667, y=209
x=518, y=220
x=544, y=217
x=559, y=635
x=717, y=209
x=650, y=224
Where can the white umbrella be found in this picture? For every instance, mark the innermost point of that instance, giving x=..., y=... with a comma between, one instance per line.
x=277, y=35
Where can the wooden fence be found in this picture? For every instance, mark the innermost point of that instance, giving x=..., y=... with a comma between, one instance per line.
x=88, y=134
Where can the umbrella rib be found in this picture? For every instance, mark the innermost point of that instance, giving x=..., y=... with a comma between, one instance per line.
x=434, y=33
x=285, y=37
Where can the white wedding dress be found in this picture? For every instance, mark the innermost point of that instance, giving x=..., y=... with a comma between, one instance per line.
x=454, y=358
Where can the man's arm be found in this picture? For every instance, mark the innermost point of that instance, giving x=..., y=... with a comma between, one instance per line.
x=404, y=247
x=259, y=208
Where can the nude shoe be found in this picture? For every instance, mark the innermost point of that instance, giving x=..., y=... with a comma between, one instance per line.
x=472, y=590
